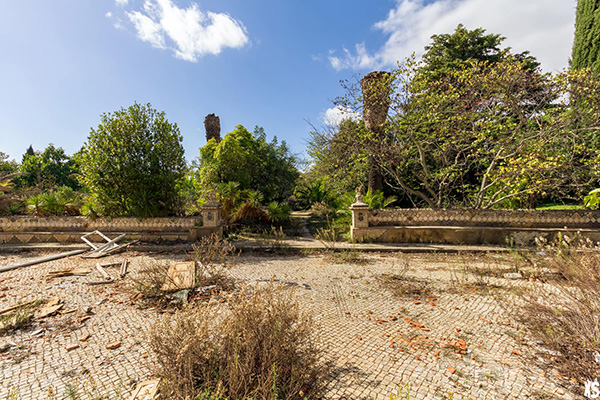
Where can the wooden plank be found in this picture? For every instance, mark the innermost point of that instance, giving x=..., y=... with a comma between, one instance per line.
x=146, y=390
x=181, y=275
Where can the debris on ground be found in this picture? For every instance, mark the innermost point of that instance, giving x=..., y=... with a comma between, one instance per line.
x=147, y=390
x=41, y=260
x=111, y=245
x=513, y=275
x=181, y=275
x=114, y=345
x=69, y=272
x=49, y=308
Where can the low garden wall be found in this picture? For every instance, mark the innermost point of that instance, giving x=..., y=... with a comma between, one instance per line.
x=451, y=226
x=30, y=229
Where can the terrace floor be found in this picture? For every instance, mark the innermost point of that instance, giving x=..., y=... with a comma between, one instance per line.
x=451, y=335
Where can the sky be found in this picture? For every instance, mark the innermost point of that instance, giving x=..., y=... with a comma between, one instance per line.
x=271, y=63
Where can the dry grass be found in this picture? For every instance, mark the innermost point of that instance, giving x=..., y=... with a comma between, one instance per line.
x=259, y=346
x=564, y=312
x=213, y=257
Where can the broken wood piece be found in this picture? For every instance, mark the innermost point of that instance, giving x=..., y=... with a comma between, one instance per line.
x=69, y=272
x=93, y=283
x=123, y=271
x=147, y=390
x=69, y=311
x=107, y=248
x=105, y=274
x=181, y=275
x=15, y=307
x=41, y=260
x=86, y=337
x=96, y=232
x=72, y=347
x=46, y=311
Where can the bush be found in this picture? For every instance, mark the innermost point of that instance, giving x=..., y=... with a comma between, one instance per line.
x=279, y=212
x=62, y=201
x=133, y=162
x=261, y=347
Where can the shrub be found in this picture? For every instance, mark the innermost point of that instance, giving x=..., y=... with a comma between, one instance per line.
x=260, y=347
x=133, y=162
x=279, y=212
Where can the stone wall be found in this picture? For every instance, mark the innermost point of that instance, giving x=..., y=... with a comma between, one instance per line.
x=499, y=227
x=83, y=224
x=29, y=229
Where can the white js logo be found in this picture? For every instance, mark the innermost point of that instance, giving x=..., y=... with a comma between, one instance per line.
x=592, y=389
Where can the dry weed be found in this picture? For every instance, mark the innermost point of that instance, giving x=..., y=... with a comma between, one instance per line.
x=259, y=346
x=564, y=313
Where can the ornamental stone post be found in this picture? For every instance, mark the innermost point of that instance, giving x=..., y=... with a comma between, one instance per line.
x=360, y=214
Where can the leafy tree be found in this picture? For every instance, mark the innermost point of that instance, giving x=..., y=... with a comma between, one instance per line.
x=7, y=166
x=337, y=162
x=133, y=162
x=453, y=52
x=48, y=169
x=251, y=161
x=586, y=47
x=480, y=136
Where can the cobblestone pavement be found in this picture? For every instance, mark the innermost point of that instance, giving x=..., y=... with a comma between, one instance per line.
x=378, y=343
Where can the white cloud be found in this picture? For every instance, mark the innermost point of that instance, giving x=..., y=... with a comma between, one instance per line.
x=189, y=32
x=333, y=116
x=544, y=27
x=121, y=2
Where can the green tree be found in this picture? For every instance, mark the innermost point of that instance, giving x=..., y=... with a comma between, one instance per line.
x=337, y=162
x=453, y=52
x=586, y=46
x=251, y=161
x=480, y=136
x=7, y=166
x=133, y=162
x=48, y=169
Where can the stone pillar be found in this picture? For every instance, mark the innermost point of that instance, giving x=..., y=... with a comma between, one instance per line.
x=360, y=215
x=212, y=124
x=211, y=212
x=211, y=220
x=376, y=89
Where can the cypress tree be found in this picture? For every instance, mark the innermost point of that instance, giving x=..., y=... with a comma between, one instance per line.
x=586, y=47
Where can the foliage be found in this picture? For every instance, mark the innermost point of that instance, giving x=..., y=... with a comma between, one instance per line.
x=337, y=162
x=448, y=53
x=133, y=162
x=592, y=200
x=310, y=192
x=61, y=201
x=586, y=47
x=261, y=347
x=483, y=135
x=279, y=212
x=7, y=166
x=250, y=161
x=49, y=169
x=377, y=200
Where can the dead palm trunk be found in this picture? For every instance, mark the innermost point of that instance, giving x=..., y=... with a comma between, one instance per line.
x=376, y=89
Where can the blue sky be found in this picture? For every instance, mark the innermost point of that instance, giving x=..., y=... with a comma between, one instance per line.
x=272, y=63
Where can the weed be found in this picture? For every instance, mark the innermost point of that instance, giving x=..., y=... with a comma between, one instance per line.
x=565, y=313
x=261, y=346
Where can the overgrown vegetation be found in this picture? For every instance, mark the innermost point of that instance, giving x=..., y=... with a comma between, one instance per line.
x=133, y=162
x=260, y=346
x=564, y=312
